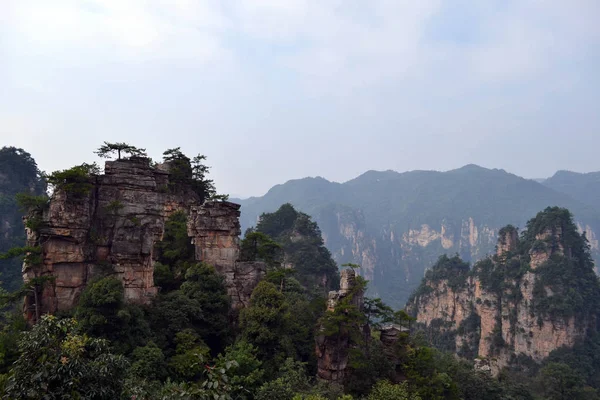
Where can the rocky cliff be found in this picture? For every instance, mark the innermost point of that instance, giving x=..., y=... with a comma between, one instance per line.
x=396, y=225
x=111, y=224
x=538, y=292
x=334, y=341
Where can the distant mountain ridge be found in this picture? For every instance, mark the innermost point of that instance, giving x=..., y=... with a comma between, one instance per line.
x=397, y=224
x=584, y=187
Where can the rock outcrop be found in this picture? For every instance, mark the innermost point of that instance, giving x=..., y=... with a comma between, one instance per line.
x=333, y=350
x=390, y=336
x=112, y=228
x=518, y=304
x=214, y=228
x=396, y=225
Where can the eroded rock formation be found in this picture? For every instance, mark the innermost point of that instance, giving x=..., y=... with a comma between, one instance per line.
x=333, y=350
x=215, y=229
x=515, y=305
x=113, y=228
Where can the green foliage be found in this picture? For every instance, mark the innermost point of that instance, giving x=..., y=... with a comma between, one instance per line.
x=247, y=375
x=273, y=224
x=192, y=173
x=13, y=324
x=263, y=324
x=206, y=288
x=56, y=361
x=201, y=304
x=213, y=384
x=34, y=223
x=470, y=329
x=107, y=150
x=103, y=313
x=309, y=397
x=30, y=254
x=583, y=358
x=99, y=305
x=29, y=202
x=193, y=295
x=346, y=319
x=454, y=270
x=257, y=246
x=552, y=221
x=21, y=172
x=367, y=364
x=292, y=380
x=75, y=181
x=302, y=245
x=384, y=390
x=185, y=365
x=148, y=362
x=377, y=204
x=377, y=312
x=175, y=254
x=569, y=273
x=557, y=381
x=575, y=289
x=21, y=179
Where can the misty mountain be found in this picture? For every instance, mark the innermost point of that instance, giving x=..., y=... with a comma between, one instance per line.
x=19, y=173
x=397, y=224
x=582, y=187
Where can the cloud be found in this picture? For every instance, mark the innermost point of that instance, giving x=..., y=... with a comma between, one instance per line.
x=120, y=29
x=340, y=42
x=239, y=78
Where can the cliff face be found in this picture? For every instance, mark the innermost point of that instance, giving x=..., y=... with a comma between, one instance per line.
x=113, y=228
x=214, y=228
x=396, y=225
x=538, y=293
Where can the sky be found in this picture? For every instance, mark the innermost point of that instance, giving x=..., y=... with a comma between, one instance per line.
x=272, y=90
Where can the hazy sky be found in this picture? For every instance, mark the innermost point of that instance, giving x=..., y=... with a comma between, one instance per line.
x=272, y=90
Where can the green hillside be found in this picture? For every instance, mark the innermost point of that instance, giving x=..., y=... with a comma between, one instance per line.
x=385, y=205
x=18, y=174
x=583, y=187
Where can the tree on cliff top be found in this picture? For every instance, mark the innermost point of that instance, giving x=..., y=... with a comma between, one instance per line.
x=107, y=150
x=191, y=172
x=302, y=243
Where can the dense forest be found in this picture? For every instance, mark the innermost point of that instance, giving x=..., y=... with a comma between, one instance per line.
x=397, y=224
x=189, y=343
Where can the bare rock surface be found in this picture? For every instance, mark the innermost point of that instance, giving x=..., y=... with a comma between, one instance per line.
x=113, y=228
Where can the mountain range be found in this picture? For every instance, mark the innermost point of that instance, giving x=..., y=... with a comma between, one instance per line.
x=396, y=225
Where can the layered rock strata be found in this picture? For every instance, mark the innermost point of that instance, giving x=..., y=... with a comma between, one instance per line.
x=494, y=314
x=113, y=227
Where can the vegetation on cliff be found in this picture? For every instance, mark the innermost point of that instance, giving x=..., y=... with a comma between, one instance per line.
x=184, y=345
x=289, y=238
x=546, y=276
x=21, y=179
x=189, y=343
x=192, y=173
x=369, y=220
